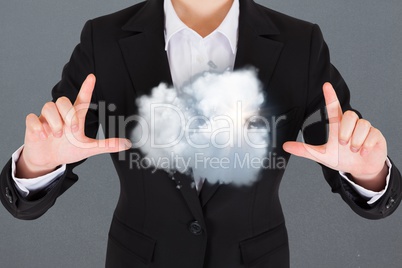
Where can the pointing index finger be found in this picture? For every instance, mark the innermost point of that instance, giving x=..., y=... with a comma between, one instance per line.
x=83, y=100
x=334, y=109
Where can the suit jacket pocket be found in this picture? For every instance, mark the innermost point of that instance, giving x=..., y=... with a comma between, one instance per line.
x=138, y=244
x=268, y=248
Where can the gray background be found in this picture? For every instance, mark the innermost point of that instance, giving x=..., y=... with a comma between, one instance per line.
x=365, y=39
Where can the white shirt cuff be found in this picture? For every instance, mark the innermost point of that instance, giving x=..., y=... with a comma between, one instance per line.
x=24, y=186
x=370, y=195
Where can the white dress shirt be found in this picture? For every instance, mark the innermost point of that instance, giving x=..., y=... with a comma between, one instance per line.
x=189, y=54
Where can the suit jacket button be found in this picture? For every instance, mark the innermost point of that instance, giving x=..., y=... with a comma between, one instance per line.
x=390, y=203
x=195, y=228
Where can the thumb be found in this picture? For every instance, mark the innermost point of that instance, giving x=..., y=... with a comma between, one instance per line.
x=111, y=145
x=303, y=150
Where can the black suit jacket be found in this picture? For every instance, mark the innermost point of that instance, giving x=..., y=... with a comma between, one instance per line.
x=156, y=224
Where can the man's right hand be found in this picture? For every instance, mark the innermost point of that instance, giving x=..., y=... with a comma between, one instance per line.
x=57, y=136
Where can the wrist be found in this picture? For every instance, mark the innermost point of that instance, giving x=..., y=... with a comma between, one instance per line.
x=374, y=182
x=27, y=170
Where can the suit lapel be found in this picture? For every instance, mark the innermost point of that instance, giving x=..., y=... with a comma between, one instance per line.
x=207, y=191
x=146, y=60
x=255, y=49
x=144, y=52
x=185, y=183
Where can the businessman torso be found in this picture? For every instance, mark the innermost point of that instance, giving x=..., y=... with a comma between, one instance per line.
x=159, y=224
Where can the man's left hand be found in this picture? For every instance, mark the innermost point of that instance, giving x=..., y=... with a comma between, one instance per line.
x=354, y=146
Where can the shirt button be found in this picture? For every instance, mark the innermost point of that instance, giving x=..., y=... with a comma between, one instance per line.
x=212, y=64
x=200, y=59
x=195, y=228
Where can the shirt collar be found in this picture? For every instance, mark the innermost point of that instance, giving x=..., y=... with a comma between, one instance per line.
x=228, y=27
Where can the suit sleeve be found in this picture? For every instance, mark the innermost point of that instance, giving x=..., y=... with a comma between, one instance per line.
x=74, y=73
x=316, y=132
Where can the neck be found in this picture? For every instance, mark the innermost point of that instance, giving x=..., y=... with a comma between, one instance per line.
x=202, y=16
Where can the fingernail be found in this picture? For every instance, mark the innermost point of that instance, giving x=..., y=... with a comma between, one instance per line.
x=342, y=142
x=353, y=149
x=74, y=128
x=126, y=144
x=58, y=134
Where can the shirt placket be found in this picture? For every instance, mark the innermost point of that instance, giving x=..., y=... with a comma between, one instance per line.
x=199, y=57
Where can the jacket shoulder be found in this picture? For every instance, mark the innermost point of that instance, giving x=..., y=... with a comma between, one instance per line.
x=117, y=19
x=286, y=23
x=284, y=18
